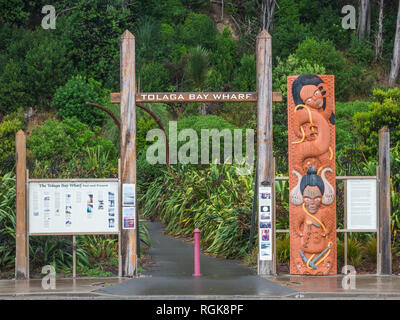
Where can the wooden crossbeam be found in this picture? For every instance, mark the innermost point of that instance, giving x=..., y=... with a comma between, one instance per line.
x=163, y=97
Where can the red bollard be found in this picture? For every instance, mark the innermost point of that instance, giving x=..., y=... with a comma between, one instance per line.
x=197, y=253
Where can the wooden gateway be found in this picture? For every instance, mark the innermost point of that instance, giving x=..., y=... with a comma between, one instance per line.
x=312, y=208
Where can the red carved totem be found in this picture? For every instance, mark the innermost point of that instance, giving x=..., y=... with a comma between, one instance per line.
x=312, y=175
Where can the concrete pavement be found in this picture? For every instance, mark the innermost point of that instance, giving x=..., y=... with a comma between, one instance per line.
x=171, y=278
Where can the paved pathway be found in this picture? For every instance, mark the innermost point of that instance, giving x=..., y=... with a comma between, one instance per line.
x=172, y=274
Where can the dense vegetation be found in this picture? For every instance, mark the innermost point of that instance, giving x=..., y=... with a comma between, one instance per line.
x=46, y=76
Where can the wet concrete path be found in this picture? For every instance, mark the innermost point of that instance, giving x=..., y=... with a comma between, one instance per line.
x=172, y=274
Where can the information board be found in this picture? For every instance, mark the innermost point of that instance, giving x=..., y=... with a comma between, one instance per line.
x=73, y=207
x=361, y=204
x=265, y=223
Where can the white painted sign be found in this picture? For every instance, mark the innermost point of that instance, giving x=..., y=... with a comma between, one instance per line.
x=73, y=207
x=361, y=204
x=265, y=223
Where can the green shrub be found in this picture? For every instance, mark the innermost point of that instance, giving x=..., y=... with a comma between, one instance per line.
x=153, y=77
x=370, y=248
x=46, y=67
x=245, y=79
x=69, y=149
x=354, y=251
x=283, y=248
x=196, y=69
x=7, y=220
x=324, y=53
x=344, y=112
x=224, y=56
x=384, y=111
x=70, y=100
x=199, y=29
x=8, y=128
x=12, y=89
x=92, y=33
x=360, y=52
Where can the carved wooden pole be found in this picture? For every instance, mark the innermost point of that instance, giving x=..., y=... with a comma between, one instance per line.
x=384, y=246
x=128, y=142
x=265, y=173
x=21, y=262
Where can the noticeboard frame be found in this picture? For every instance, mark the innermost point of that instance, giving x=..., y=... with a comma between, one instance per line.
x=74, y=234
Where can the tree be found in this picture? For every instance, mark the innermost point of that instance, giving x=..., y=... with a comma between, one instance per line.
x=267, y=8
x=379, y=33
x=394, y=71
x=197, y=70
x=364, y=19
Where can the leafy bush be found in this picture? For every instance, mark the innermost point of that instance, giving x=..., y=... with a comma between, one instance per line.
x=7, y=220
x=70, y=100
x=12, y=89
x=92, y=32
x=354, y=251
x=8, y=128
x=384, y=111
x=199, y=29
x=224, y=56
x=68, y=148
x=46, y=67
x=245, y=79
x=344, y=112
x=324, y=53
x=37, y=63
x=151, y=83
x=197, y=67
x=283, y=248
x=370, y=248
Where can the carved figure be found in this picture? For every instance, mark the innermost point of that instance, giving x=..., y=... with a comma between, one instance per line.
x=311, y=121
x=311, y=224
x=311, y=156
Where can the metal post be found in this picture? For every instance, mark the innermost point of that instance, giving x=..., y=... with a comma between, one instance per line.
x=264, y=126
x=128, y=142
x=21, y=261
x=197, y=253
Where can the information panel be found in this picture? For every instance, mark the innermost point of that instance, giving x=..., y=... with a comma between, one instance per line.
x=265, y=223
x=73, y=207
x=361, y=204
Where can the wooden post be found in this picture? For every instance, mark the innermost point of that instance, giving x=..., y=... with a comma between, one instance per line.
x=128, y=142
x=345, y=222
x=21, y=261
x=74, y=256
x=384, y=245
x=264, y=128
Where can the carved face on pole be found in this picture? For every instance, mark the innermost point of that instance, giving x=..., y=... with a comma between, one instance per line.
x=312, y=197
x=312, y=190
x=312, y=96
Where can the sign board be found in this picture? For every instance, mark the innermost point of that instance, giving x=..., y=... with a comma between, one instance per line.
x=70, y=207
x=361, y=204
x=265, y=223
